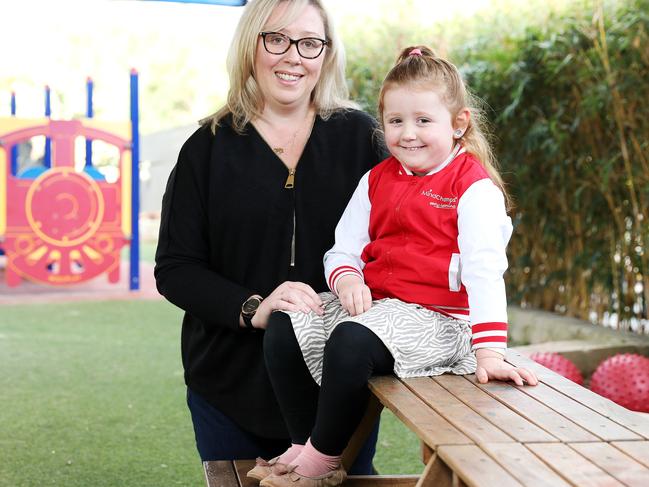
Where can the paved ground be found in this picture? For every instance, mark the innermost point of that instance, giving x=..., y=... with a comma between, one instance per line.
x=96, y=289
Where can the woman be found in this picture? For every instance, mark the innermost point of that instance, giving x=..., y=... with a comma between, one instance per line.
x=249, y=211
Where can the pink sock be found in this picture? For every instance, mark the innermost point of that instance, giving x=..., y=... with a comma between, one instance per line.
x=311, y=463
x=289, y=455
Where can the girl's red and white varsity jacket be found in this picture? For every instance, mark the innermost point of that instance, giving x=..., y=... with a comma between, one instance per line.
x=437, y=240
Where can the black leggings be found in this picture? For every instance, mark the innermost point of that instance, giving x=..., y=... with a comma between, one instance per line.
x=328, y=414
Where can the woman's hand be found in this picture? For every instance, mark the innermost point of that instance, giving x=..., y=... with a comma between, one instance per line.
x=288, y=296
x=492, y=365
x=354, y=295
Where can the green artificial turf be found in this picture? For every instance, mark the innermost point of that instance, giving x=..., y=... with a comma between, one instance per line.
x=398, y=450
x=92, y=394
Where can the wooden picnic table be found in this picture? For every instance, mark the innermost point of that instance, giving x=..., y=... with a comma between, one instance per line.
x=498, y=434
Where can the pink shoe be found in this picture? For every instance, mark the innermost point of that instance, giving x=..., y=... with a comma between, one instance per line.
x=293, y=479
x=265, y=468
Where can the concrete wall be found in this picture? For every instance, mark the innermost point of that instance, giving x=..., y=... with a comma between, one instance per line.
x=533, y=326
x=587, y=345
x=158, y=155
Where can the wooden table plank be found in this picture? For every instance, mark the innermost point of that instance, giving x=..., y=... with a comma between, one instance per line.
x=436, y=474
x=585, y=417
x=381, y=481
x=243, y=467
x=475, y=467
x=500, y=415
x=534, y=411
x=572, y=466
x=448, y=412
x=524, y=465
x=616, y=463
x=220, y=474
x=638, y=450
x=629, y=419
x=456, y=412
x=415, y=414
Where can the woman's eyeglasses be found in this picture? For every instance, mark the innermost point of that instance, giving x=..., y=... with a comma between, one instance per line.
x=307, y=47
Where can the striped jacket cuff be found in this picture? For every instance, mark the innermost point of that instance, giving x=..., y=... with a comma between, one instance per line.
x=489, y=335
x=338, y=272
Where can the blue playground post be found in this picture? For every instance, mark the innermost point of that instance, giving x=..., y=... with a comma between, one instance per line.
x=89, y=114
x=47, y=162
x=14, y=149
x=135, y=185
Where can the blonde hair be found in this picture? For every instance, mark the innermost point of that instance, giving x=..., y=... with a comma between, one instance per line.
x=430, y=70
x=245, y=100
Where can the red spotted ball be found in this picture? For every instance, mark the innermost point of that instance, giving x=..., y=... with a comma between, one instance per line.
x=624, y=379
x=560, y=364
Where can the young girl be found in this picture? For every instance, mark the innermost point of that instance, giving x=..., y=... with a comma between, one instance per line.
x=416, y=275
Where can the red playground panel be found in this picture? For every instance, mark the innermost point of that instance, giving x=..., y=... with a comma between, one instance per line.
x=64, y=225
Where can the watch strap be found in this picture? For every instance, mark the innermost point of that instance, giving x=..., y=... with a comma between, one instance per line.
x=247, y=320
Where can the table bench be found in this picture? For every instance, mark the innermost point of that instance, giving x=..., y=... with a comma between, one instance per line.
x=498, y=434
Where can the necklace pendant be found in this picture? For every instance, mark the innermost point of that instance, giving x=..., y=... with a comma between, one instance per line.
x=278, y=150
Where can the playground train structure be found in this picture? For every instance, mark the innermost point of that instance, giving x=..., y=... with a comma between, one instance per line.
x=64, y=219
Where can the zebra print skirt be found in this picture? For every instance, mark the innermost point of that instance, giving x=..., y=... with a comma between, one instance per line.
x=422, y=342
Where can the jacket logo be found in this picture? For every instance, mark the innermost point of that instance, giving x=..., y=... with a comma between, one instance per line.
x=439, y=201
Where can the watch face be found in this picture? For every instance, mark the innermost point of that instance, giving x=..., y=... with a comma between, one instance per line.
x=250, y=306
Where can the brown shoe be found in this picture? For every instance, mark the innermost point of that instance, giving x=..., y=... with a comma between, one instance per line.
x=294, y=479
x=265, y=468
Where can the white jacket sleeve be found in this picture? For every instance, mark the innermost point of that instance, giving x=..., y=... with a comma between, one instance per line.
x=352, y=235
x=484, y=229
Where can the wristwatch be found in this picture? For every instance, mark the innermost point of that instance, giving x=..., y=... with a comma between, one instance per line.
x=249, y=308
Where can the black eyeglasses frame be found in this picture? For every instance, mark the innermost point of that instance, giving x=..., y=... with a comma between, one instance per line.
x=325, y=42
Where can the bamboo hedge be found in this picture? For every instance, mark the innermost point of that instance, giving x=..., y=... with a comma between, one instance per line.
x=568, y=97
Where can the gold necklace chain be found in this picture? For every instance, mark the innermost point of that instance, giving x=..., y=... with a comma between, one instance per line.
x=279, y=150
x=289, y=145
x=290, y=180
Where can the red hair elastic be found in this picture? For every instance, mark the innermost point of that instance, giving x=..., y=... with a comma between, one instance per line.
x=415, y=52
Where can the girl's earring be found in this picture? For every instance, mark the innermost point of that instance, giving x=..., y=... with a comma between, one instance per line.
x=458, y=134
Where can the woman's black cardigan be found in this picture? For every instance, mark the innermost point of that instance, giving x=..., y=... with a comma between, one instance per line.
x=226, y=231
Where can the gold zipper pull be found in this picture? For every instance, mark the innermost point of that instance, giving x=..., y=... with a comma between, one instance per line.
x=290, y=180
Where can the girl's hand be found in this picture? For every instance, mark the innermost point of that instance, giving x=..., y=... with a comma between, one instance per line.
x=492, y=365
x=354, y=295
x=288, y=296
